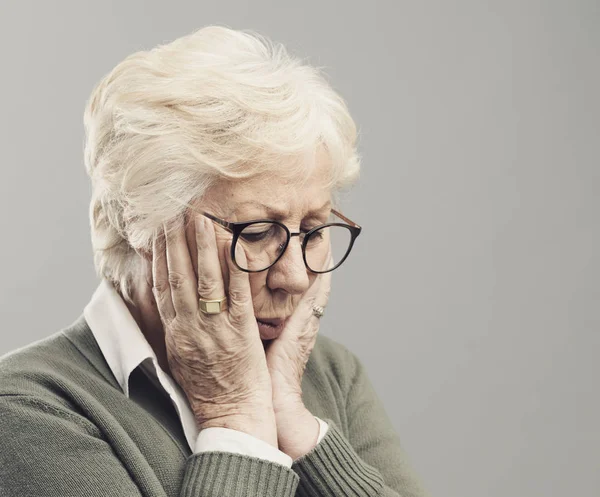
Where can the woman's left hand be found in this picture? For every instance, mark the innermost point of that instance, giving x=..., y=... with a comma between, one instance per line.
x=287, y=355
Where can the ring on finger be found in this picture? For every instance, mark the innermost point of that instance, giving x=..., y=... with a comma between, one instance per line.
x=318, y=311
x=212, y=306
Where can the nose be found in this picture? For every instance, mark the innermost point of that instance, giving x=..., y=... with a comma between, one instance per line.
x=289, y=273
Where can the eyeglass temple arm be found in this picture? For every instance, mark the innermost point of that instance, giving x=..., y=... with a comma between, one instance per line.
x=344, y=218
x=227, y=225
x=223, y=223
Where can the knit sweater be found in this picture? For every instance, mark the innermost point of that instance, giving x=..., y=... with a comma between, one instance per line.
x=67, y=430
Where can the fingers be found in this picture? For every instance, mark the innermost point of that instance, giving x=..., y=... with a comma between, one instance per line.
x=318, y=292
x=160, y=281
x=240, y=296
x=210, y=278
x=324, y=286
x=180, y=271
x=324, y=290
x=316, y=295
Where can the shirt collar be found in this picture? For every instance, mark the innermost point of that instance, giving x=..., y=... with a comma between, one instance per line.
x=117, y=333
x=125, y=347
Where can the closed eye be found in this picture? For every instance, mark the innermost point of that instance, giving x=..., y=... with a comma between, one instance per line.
x=259, y=232
x=255, y=237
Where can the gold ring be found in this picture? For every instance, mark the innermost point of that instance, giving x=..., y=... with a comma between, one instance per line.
x=212, y=306
x=318, y=311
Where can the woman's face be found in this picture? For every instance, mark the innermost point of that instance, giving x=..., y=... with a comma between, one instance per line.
x=277, y=290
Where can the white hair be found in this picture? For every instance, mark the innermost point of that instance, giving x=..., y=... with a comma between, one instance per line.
x=164, y=124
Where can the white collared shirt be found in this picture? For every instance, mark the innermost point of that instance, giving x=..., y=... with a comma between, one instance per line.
x=125, y=348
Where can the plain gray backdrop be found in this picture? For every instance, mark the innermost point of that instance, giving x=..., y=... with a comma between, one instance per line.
x=472, y=295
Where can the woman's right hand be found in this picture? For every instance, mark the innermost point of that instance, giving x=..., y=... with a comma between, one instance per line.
x=218, y=359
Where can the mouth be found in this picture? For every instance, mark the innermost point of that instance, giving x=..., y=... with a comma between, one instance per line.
x=270, y=329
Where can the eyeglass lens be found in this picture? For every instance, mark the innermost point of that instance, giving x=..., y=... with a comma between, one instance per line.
x=263, y=243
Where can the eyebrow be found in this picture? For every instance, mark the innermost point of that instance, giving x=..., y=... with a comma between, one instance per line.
x=279, y=213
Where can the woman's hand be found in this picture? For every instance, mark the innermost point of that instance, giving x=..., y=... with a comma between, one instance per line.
x=217, y=359
x=287, y=355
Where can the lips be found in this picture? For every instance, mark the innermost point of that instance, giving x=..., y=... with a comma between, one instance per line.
x=270, y=329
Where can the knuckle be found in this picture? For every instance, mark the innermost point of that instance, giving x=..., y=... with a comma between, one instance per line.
x=176, y=280
x=180, y=346
x=185, y=312
x=208, y=287
x=237, y=314
x=239, y=297
x=311, y=301
x=160, y=287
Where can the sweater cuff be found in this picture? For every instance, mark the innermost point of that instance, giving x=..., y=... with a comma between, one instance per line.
x=212, y=474
x=334, y=468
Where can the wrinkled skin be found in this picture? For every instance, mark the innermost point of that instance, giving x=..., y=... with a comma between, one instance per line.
x=230, y=377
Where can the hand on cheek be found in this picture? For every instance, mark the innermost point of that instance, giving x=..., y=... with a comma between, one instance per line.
x=216, y=357
x=297, y=429
x=224, y=255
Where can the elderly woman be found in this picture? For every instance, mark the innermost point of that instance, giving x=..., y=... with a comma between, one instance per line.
x=196, y=369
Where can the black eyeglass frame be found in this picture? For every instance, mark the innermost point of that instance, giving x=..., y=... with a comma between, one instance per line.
x=236, y=229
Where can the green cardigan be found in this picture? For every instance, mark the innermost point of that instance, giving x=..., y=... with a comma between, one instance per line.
x=67, y=429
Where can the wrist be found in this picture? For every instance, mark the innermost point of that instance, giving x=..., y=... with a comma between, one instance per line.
x=262, y=426
x=289, y=404
x=297, y=432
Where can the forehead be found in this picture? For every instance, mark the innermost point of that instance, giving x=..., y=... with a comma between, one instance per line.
x=282, y=196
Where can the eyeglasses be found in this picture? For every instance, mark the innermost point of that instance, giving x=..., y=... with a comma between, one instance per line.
x=264, y=242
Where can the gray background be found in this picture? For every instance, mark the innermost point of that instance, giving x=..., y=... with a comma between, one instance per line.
x=472, y=295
